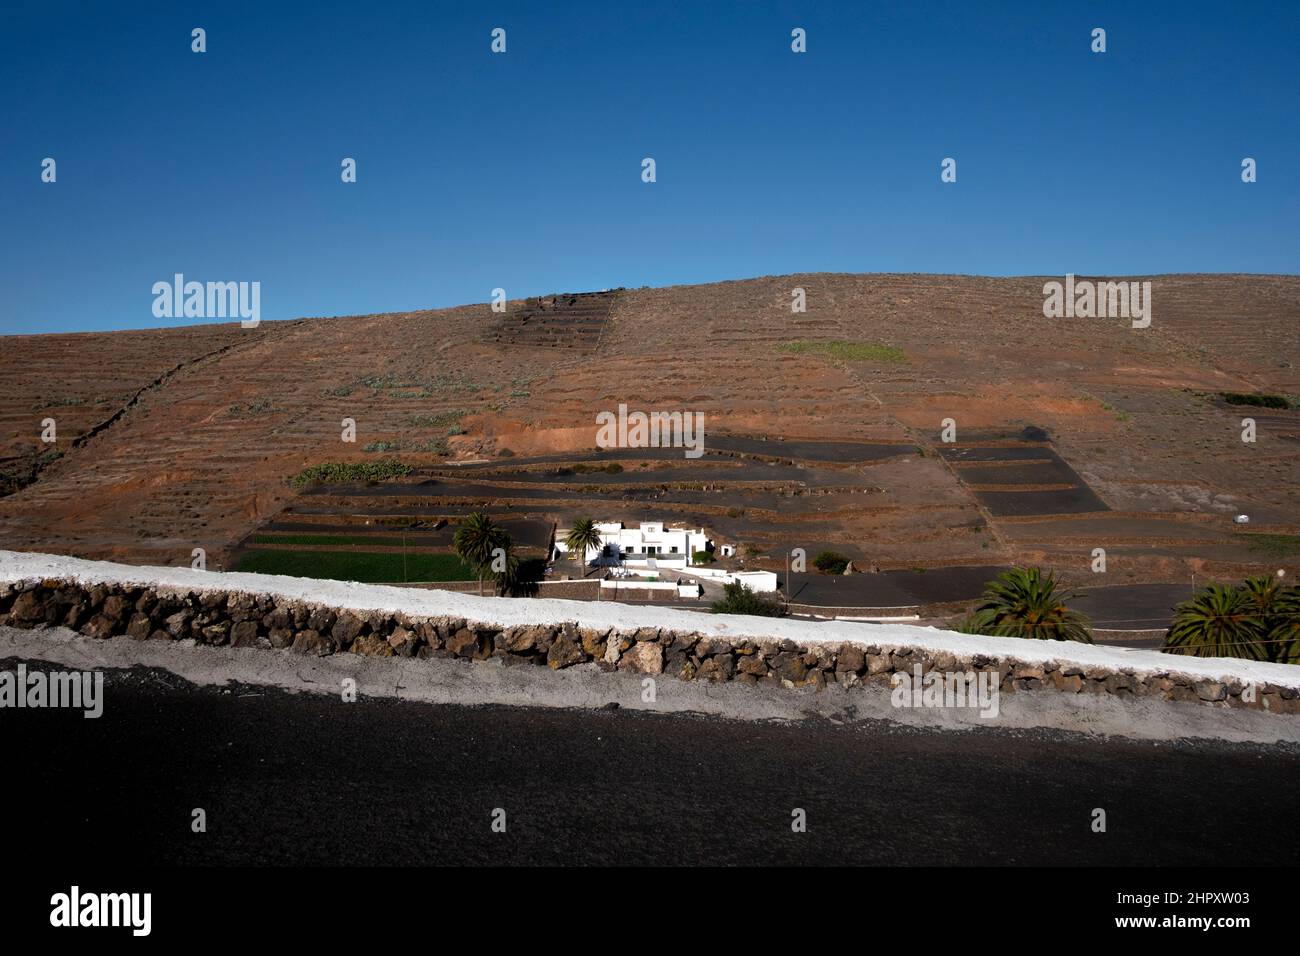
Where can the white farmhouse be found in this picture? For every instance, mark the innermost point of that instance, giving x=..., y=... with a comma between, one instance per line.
x=668, y=547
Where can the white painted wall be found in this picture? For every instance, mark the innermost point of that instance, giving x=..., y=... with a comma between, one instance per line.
x=673, y=546
x=761, y=581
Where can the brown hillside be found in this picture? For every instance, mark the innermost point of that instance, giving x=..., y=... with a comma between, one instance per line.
x=183, y=438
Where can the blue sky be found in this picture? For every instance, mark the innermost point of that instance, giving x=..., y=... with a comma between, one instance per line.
x=522, y=170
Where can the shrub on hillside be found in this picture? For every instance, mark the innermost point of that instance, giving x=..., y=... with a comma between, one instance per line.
x=830, y=562
x=739, y=599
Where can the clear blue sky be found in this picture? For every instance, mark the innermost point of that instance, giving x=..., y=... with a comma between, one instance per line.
x=522, y=170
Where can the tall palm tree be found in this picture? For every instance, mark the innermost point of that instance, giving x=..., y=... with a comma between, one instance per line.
x=475, y=541
x=1022, y=602
x=506, y=574
x=583, y=537
x=1219, y=621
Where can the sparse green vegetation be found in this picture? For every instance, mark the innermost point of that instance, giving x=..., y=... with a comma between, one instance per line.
x=702, y=557
x=392, y=385
x=250, y=408
x=848, y=351
x=440, y=420
x=435, y=446
x=338, y=472
x=1274, y=545
x=583, y=468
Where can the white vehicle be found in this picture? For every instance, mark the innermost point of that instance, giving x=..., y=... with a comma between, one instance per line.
x=1242, y=519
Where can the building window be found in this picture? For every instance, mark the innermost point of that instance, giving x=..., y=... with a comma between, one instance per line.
x=673, y=549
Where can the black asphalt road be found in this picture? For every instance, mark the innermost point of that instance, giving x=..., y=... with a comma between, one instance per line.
x=306, y=779
x=1131, y=606
x=892, y=588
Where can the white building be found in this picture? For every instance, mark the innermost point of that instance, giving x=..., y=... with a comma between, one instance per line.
x=668, y=547
x=759, y=581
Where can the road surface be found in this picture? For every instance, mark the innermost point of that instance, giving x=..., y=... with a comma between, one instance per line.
x=304, y=778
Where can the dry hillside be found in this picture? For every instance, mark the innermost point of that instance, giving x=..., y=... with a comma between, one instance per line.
x=182, y=438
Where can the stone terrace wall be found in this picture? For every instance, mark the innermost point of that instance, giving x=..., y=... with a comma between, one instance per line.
x=240, y=619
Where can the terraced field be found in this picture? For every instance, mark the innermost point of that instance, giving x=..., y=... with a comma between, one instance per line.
x=556, y=321
x=822, y=428
x=1021, y=478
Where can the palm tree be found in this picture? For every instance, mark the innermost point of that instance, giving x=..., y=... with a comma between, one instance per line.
x=583, y=537
x=475, y=541
x=1263, y=592
x=1219, y=621
x=1022, y=602
x=507, y=578
x=1284, y=635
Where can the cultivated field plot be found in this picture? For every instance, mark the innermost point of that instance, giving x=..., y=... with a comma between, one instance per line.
x=1018, y=480
x=833, y=452
x=375, y=547
x=568, y=321
x=367, y=567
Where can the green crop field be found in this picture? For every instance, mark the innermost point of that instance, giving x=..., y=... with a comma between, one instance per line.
x=367, y=567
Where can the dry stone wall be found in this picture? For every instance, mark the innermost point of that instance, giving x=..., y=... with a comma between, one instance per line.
x=241, y=619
